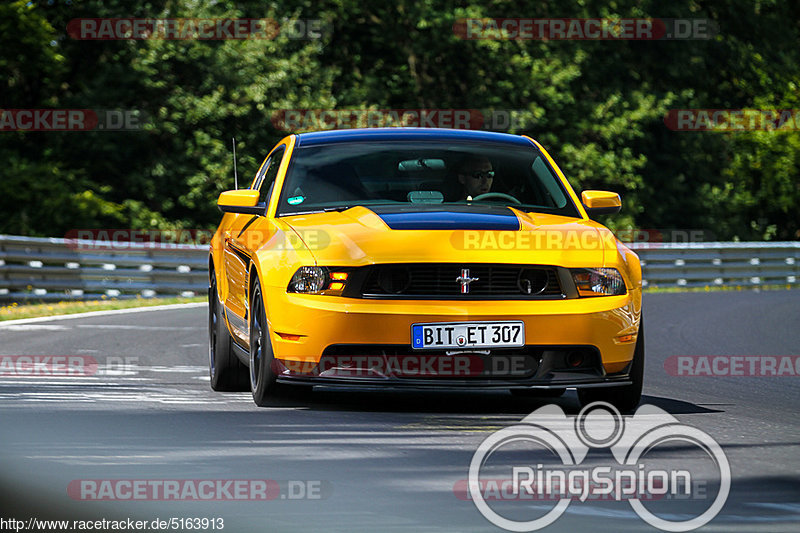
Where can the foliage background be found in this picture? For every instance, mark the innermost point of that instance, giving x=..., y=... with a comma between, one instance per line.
x=598, y=106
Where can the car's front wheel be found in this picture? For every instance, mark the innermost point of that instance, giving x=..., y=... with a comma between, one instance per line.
x=627, y=397
x=262, y=376
x=226, y=372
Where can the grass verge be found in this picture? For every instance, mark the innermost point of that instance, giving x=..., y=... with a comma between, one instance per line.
x=717, y=288
x=32, y=310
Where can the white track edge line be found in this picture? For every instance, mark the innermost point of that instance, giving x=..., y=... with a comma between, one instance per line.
x=101, y=313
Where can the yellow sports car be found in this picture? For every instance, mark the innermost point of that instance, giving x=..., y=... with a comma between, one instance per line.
x=422, y=258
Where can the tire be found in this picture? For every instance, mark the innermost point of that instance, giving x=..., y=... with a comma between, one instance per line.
x=263, y=383
x=627, y=397
x=227, y=373
x=538, y=393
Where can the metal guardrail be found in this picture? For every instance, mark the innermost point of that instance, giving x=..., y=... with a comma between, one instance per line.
x=65, y=269
x=71, y=269
x=719, y=264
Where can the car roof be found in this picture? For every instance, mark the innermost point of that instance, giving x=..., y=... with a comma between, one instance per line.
x=407, y=134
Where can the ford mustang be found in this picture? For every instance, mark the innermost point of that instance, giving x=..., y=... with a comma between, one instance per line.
x=422, y=258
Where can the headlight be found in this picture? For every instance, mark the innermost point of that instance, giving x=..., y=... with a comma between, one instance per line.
x=319, y=280
x=598, y=281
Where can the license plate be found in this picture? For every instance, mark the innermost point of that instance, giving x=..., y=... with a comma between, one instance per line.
x=467, y=335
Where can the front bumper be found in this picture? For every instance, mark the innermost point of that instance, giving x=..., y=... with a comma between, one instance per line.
x=345, y=341
x=405, y=384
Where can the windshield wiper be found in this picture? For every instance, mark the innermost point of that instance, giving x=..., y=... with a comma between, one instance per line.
x=323, y=210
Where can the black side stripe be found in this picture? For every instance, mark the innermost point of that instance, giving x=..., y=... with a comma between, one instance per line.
x=247, y=225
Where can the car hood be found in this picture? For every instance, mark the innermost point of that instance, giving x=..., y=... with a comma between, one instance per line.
x=476, y=234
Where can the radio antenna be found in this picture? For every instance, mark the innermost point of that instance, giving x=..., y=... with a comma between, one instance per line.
x=235, y=175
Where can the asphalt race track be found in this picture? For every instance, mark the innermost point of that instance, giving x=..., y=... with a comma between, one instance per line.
x=347, y=460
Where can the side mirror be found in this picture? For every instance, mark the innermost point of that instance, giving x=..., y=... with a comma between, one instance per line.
x=244, y=201
x=601, y=202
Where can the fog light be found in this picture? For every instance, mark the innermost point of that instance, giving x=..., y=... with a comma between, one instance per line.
x=532, y=281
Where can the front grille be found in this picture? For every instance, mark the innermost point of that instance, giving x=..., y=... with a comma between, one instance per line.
x=440, y=281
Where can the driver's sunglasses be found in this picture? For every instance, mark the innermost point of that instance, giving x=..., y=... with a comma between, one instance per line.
x=482, y=174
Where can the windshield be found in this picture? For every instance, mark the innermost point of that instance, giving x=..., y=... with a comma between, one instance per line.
x=421, y=174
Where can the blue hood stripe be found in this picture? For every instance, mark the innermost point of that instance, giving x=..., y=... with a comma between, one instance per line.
x=452, y=220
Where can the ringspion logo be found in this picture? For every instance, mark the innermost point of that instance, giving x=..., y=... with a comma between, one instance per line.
x=564, y=480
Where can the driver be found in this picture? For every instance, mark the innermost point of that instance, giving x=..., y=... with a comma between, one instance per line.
x=475, y=174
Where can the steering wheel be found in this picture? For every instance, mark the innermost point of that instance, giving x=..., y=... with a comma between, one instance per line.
x=502, y=195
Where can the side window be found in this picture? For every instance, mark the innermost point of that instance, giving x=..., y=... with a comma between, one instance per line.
x=265, y=181
x=546, y=178
x=260, y=175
